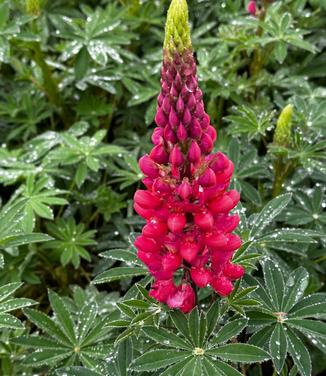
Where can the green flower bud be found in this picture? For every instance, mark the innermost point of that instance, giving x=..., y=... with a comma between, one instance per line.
x=33, y=7
x=177, y=31
x=282, y=133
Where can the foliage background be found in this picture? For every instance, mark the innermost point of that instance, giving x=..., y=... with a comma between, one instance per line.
x=79, y=81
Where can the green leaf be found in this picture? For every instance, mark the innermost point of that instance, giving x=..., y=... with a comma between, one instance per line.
x=219, y=368
x=193, y=326
x=15, y=303
x=9, y=321
x=46, y=357
x=36, y=342
x=119, y=273
x=308, y=327
x=86, y=320
x=4, y=15
x=229, y=330
x=262, y=337
x=124, y=255
x=240, y=352
x=299, y=354
x=267, y=215
x=181, y=323
x=257, y=318
x=153, y=360
x=295, y=287
x=20, y=239
x=274, y=282
x=193, y=367
x=77, y=371
x=166, y=338
x=81, y=174
x=43, y=322
x=212, y=317
x=81, y=63
x=310, y=306
x=9, y=289
x=62, y=315
x=278, y=347
x=175, y=369
x=280, y=51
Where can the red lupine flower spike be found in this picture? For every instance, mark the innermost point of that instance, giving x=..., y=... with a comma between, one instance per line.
x=186, y=204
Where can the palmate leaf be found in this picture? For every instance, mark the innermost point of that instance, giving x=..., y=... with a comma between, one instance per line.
x=278, y=325
x=59, y=343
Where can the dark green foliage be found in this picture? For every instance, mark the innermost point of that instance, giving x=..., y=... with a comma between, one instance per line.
x=78, y=88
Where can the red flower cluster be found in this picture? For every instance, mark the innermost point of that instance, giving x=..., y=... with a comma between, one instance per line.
x=251, y=7
x=186, y=204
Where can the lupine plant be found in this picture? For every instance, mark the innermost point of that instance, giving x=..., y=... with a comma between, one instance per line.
x=171, y=227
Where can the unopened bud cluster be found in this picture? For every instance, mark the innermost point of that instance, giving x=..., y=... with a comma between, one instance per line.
x=282, y=134
x=33, y=7
x=186, y=204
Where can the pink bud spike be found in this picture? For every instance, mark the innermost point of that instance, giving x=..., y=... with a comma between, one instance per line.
x=188, y=232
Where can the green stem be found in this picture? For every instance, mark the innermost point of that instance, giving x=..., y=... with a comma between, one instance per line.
x=50, y=86
x=281, y=171
x=219, y=112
